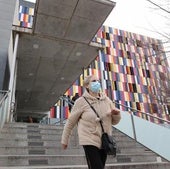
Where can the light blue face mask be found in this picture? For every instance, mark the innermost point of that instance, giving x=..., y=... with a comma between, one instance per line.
x=95, y=86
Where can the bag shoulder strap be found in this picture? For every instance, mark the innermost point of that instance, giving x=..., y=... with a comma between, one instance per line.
x=95, y=113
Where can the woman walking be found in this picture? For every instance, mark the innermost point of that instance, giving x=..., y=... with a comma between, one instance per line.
x=88, y=124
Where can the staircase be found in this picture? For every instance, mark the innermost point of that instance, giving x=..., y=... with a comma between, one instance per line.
x=36, y=146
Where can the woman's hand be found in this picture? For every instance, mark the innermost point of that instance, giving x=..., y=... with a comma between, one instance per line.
x=115, y=112
x=64, y=146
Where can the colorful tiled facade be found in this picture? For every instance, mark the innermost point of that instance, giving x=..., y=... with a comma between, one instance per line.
x=25, y=14
x=134, y=68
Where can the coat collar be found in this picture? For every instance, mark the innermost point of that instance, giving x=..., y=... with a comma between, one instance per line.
x=92, y=98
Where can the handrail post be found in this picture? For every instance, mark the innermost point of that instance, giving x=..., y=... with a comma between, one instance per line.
x=133, y=126
x=3, y=107
x=101, y=70
x=12, y=77
x=61, y=110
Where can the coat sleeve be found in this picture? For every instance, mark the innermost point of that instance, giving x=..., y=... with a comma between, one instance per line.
x=71, y=121
x=115, y=118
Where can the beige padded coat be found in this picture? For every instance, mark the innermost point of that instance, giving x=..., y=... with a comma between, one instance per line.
x=89, y=129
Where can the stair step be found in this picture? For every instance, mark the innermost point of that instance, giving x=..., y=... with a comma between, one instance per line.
x=70, y=159
x=38, y=162
x=24, y=146
x=36, y=152
x=33, y=131
x=155, y=165
x=35, y=127
x=35, y=143
x=34, y=137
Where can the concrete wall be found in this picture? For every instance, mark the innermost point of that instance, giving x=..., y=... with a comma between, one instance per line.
x=7, y=8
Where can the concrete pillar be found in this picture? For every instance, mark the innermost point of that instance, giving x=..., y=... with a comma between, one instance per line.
x=7, y=8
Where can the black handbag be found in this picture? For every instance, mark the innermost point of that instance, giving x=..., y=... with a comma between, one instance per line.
x=108, y=142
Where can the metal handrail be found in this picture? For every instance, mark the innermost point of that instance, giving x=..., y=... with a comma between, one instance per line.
x=167, y=121
x=3, y=91
x=70, y=102
x=5, y=96
x=3, y=107
x=62, y=120
x=130, y=108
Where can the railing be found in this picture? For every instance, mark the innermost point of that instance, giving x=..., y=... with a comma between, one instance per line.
x=147, y=114
x=4, y=99
x=152, y=135
x=155, y=136
x=62, y=119
x=162, y=121
x=70, y=102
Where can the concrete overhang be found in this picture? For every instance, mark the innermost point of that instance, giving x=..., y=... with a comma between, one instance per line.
x=53, y=56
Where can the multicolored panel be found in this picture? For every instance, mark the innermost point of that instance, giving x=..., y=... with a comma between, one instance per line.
x=26, y=14
x=133, y=69
x=134, y=61
x=26, y=17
